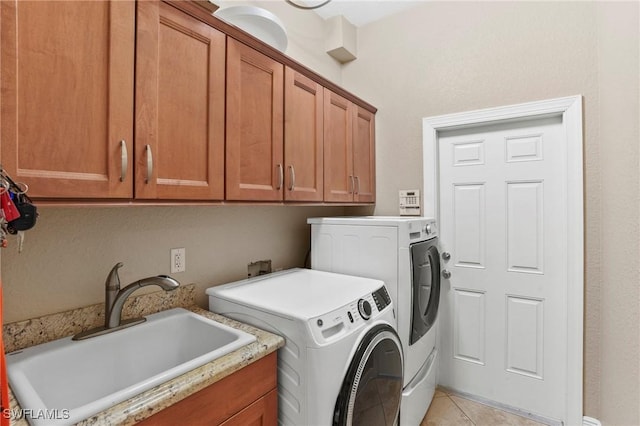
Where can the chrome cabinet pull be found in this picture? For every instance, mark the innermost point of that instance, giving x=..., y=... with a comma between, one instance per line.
x=149, y=164
x=353, y=185
x=357, y=188
x=280, y=176
x=446, y=256
x=292, y=175
x=446, y=274
x=124, y=160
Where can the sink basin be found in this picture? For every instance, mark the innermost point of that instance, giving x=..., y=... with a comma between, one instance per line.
x=72, y=380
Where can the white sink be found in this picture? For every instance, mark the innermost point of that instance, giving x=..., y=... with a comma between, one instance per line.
x=72, y=380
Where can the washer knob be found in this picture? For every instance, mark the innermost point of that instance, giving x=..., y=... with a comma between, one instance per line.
x=364, y=309
x=427, y=229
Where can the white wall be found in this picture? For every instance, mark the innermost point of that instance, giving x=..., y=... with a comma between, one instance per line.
x=445, y=57
x=69, y=253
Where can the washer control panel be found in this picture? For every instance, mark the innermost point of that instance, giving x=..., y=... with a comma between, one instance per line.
x=364, y=309
x=381, y=297
x=328, y=327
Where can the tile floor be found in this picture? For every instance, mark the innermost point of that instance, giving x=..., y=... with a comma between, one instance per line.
x=452, y=410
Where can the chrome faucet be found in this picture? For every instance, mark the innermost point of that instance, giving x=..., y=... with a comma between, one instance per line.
x=115, y=298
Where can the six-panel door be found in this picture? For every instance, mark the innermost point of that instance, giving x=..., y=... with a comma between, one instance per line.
x=503, y=220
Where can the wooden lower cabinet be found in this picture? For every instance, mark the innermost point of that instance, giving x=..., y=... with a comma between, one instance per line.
x=263, y=412
x=247, y=397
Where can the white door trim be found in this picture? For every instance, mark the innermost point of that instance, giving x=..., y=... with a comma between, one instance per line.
x=570, y=110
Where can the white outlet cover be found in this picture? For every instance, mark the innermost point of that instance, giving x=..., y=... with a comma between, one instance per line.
x=178, y=260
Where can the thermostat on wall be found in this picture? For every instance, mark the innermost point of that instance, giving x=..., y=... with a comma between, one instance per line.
x=409, y=202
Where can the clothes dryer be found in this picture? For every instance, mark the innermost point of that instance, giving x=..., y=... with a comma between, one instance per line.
x=403, y=253
x=342, y=363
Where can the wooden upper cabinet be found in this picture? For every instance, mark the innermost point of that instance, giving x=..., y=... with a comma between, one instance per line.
x=152, y=100
x=349, y=151
x=303, y=138
x=338, y=148
x=179, y=112
x=67, y=97
x=254, y=154
x=364, y=162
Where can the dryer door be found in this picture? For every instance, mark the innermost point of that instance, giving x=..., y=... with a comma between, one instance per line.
x=425, y=280
x=372, y=388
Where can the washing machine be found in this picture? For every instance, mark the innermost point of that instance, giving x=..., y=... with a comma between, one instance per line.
x=403, y=253
x=342, y=363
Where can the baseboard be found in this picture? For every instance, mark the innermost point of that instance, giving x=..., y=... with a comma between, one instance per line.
x=590, y=421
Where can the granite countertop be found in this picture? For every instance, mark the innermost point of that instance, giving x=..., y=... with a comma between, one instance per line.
x=162, y=396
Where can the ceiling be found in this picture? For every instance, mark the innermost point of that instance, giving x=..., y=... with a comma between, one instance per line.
x=362, y=12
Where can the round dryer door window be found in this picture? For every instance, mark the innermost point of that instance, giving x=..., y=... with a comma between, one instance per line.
x=372, y=388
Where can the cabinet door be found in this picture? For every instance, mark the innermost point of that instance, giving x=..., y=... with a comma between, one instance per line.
x=338, y=150
x=67, y=97
x=231, y=396
x=180, y=86
x=303, y=135
x=364, y=162
x=254, y=166
x=263, y=412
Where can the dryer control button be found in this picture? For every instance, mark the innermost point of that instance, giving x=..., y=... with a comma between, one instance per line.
x=364, y=308
x=350, y=316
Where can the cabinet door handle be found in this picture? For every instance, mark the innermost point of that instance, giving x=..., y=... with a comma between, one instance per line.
x=357, y=187
x=292, y=175
x=280, y=176
x=149, y=163
x=353, y=185
x=124, y=160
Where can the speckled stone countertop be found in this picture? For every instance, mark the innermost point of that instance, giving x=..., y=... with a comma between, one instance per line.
x=162, y=396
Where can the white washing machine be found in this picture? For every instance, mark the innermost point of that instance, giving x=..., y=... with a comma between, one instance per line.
x=342, y=363
x=403, y=253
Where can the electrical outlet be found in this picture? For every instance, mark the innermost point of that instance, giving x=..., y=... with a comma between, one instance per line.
x=178, y=260
x=261, y=267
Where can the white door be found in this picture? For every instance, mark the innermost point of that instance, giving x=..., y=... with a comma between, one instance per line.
x=503, y=219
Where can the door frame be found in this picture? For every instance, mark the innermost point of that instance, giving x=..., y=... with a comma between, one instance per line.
x=569, y=109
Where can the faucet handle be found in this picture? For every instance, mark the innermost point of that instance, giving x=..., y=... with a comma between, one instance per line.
x=113, y=279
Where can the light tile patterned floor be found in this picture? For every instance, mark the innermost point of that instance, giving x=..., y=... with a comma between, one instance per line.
x=452, y=410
